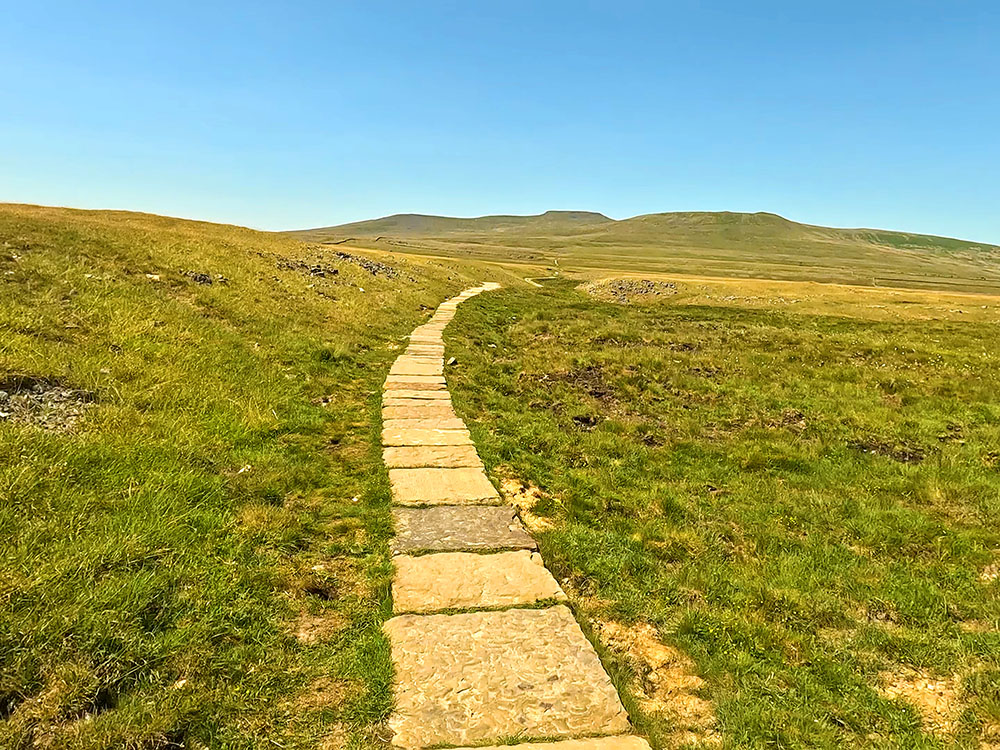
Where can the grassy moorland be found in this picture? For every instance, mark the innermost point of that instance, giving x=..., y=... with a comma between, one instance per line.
x=795, y=489
x=192, y=505
x=761, y=246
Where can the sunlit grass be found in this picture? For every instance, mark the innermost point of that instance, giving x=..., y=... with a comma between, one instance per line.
x=223, y=488
x=799, y=501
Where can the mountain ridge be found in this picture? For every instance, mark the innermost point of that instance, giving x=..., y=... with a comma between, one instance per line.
x=713, y=243
x=571, y=221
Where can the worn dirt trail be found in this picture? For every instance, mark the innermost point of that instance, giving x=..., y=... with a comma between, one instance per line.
x=483, y=647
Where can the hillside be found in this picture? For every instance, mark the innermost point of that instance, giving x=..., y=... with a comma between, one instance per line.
x=760, y=245
x=191, y=497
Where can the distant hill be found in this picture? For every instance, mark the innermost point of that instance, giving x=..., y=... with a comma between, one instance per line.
x=759, y=245
x=423, y=225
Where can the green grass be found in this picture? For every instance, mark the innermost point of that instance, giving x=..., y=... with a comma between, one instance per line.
x=798, y=501
x=761, y=246
x=223, y=491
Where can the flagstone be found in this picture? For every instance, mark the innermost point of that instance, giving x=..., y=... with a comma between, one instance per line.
x=406, y=357
x=427, y=410
x=419, y=436
x=451, y=528
x=464, y=580
x=482, y=676
x=405, y=393
x=626, y=742
x=402, y=380
x=417, y=367
x=439, y=456
x=424, y=423
x=433, y=486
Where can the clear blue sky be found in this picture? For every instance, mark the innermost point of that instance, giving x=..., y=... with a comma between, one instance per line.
x=299, y=114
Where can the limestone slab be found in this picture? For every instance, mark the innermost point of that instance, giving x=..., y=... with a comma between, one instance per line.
x=451, y=528
x=415, y=358
x=403, y=393
x=439, y=456
x=417, y=367
x=417, y=436
x=435, y=382
x=425, y=410
x=431, y=486
x=483, y=676
x=425, y=423
x=626, y=742
x=467, y=580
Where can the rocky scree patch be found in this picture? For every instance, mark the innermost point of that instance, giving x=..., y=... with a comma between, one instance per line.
x=624, y=291
x=41, y=402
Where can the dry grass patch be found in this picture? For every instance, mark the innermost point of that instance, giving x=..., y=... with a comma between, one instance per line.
x=990, y=573
x=309, y=628
x=325, y=692
x=525, y=497
x=935, y=699
x=665, y=682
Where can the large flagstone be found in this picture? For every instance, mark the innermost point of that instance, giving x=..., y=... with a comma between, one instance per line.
x=424, y=456
x=467, y=580
x=430, y=486
x=451, y=528
x=483, y=676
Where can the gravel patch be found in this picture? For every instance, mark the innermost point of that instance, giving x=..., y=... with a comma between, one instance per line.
x=42, y=403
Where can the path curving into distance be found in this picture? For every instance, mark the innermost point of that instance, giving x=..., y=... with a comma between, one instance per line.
x=483, y=646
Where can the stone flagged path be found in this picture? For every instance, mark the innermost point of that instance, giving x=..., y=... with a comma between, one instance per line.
x=449, y=528
x=418, y=456
x=436, y=486
x=460, y=580
x=489, y=675
x=505, y=667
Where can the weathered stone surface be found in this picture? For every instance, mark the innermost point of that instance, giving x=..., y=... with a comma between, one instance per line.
x=441, y=487
x=423, y=410
x=440, y=456
x=451, y=528
x=426, y=350
x=414, y=436
x=425, y=423
x=482, y=676
x=626, y=742
x=464, y=580
x=430, y=330
x=413, y=366
x=402, y=393
x=417, y=382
